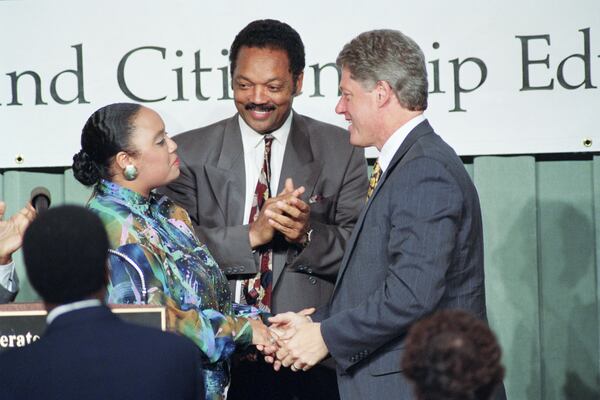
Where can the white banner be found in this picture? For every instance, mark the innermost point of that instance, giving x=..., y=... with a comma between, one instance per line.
x=507, y=77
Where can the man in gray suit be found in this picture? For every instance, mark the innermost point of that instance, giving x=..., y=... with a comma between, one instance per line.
x=11, y=237
x=418, y=244
x=317, y=183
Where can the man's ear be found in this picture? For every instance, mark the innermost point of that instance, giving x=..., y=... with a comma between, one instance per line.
x=298, y=84
x=384, y=93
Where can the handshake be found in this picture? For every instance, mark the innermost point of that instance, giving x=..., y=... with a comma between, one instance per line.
x=293, y=340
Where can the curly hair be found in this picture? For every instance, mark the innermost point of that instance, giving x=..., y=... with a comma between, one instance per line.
x=452, y=355
x=270, y=34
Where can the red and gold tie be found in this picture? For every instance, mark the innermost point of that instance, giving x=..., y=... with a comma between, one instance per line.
x=375, y=175
x=257, y=290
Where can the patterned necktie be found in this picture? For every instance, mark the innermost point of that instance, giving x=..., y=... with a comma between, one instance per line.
x=257, y=290
x=375, y=175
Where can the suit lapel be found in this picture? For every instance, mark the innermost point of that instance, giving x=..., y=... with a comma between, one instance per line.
x=228, y=179
x=298, y=164
x=418, y=131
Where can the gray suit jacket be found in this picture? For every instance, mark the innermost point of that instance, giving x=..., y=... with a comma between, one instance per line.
x=417, y=247
x=318, y=156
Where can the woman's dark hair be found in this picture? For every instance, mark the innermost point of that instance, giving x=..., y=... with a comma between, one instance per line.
x=270, y=34
x=106, y=132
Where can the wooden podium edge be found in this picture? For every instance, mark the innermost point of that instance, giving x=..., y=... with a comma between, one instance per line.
x=37, y=308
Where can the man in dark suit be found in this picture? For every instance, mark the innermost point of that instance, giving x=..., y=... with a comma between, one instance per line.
x=87, y=352
x=11, y=237
x=418, y=244
x=317, y=183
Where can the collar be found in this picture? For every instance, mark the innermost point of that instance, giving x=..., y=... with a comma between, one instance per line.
x=126, y=196
x=252, y=139
x=391, y=146
x=65, y=308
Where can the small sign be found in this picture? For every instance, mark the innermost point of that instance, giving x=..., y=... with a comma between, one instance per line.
x=24, y=323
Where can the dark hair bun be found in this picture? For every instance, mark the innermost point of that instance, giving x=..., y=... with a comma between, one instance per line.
x=85, y=169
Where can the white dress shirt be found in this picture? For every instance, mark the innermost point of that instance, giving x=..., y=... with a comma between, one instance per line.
x=254, y=153
x=76, y=305
x=391, y=146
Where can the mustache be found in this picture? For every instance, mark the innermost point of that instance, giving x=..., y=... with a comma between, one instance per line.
x=259, y=107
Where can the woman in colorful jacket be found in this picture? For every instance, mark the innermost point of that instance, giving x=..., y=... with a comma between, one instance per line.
x=126, y=154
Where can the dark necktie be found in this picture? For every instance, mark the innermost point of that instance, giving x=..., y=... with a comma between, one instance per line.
x=257, y=290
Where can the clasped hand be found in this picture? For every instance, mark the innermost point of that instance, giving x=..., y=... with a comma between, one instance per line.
x=300, y=345
x=286, y=213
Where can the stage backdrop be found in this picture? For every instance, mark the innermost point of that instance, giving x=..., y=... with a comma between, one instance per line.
x=517, y=76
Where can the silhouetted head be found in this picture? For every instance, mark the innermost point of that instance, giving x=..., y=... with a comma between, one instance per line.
x=65, y=250
x=452, y=355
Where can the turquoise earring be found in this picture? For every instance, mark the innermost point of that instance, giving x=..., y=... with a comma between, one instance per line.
x=130, y=172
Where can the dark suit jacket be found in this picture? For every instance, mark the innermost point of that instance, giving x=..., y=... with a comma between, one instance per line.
x=319, y=157
x=6, y=296
x=417, y=247
x=92, y=354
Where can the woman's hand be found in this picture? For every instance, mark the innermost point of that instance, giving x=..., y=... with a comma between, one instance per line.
x=264, y=339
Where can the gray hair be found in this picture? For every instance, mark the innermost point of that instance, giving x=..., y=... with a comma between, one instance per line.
x=390, y=56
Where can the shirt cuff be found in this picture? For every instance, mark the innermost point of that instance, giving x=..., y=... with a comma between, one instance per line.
x=7, y=277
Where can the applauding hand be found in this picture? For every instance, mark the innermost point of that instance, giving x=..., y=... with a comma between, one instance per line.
x=263, y=229
x=290, y=216
x=12, y=231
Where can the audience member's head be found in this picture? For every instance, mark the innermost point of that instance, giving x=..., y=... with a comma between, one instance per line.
x=452, y=355
x=65, y=251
